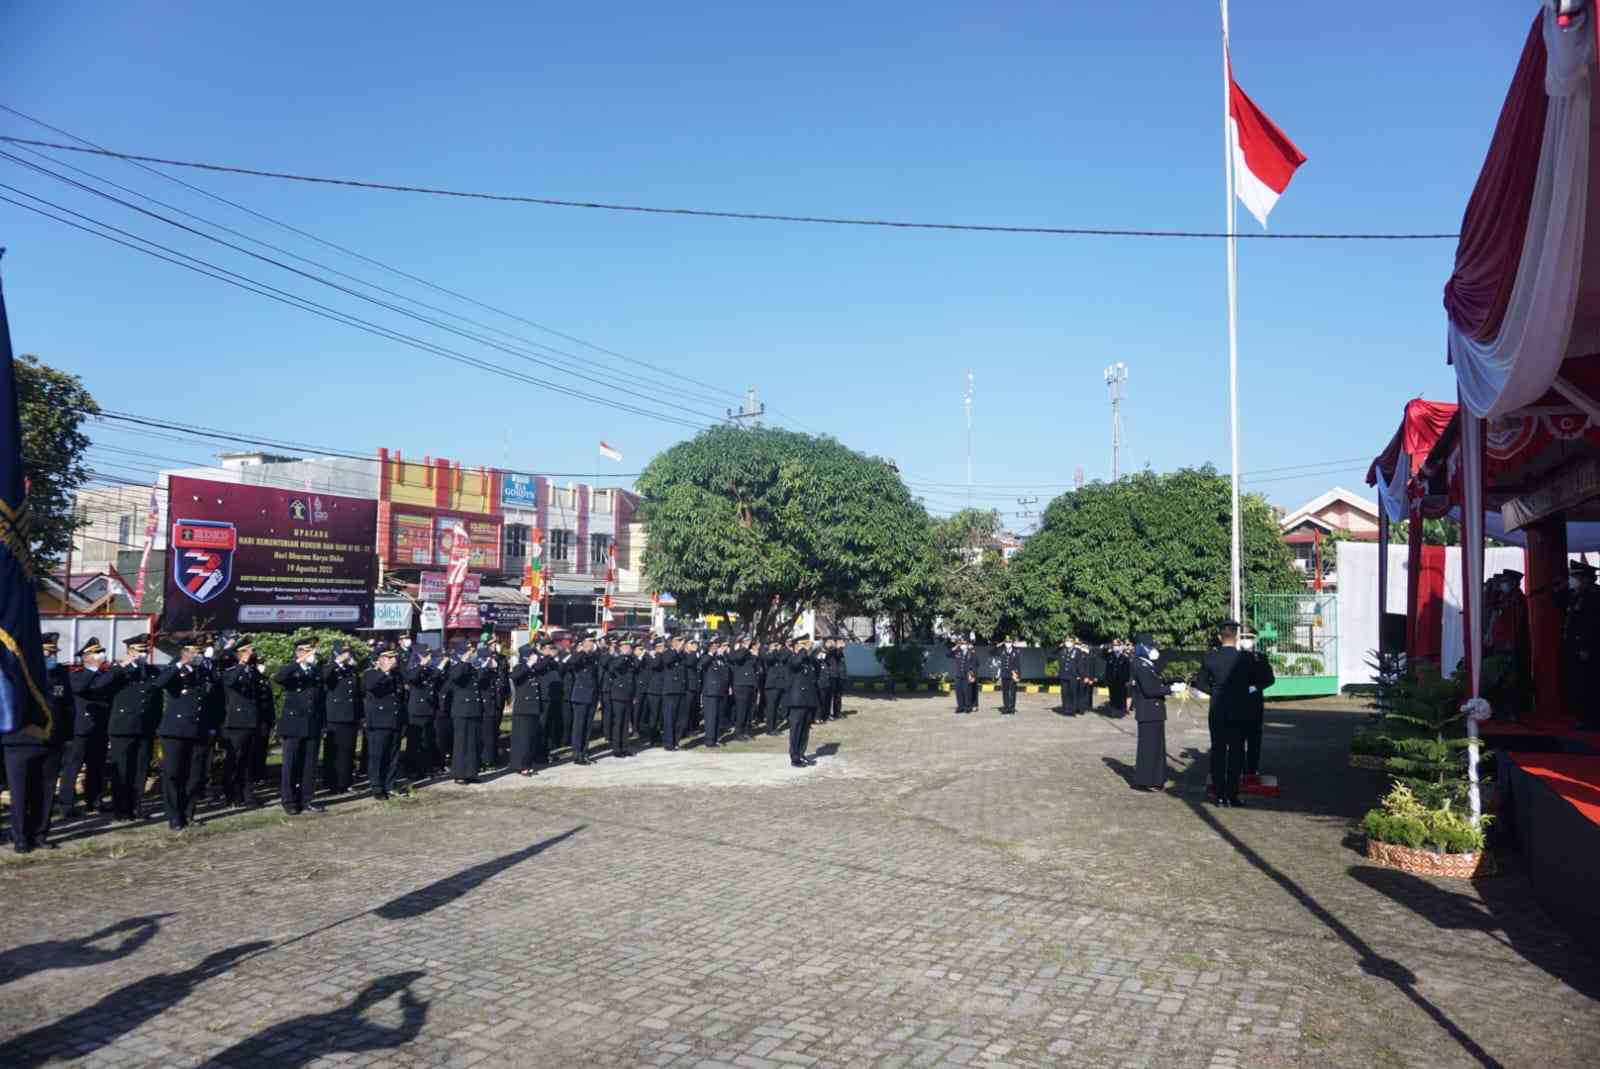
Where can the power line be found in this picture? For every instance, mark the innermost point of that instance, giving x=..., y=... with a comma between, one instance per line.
x=263, y=289
x=704, y=213
x=437, y=324
x=370, y=260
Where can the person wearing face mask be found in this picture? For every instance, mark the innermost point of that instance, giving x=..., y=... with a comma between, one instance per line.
x=1227, y=677
x=1261, y=677
x=1150, y=712
x=131, y=727
x=33, y=753
x=1009, y=665
x=300, y=728
x=90, y=745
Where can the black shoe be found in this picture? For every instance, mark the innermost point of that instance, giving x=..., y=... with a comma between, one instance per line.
x=314, y=807
x=22, y=848
x=1234, y=803
x=809, y=760
x=797, y=763
x=713, y=745
x=1222, y=803
x=384, y=797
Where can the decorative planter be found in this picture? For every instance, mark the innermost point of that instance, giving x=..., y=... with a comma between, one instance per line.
x=1428, y=863
x=1367, y=760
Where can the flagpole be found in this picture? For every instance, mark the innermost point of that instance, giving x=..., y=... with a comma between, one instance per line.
x=1233, y=318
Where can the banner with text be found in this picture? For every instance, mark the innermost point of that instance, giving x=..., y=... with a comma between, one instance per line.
x=256, y=557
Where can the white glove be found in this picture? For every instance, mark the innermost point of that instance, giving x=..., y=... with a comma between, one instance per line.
x=211, y=651
x=1183, y=688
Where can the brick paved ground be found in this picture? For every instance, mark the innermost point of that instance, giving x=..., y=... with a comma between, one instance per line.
x=952, y=891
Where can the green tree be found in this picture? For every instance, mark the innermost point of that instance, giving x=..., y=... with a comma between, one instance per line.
x=767, y=522
x=53, y=405
x=1147, y=553
x=975, y=594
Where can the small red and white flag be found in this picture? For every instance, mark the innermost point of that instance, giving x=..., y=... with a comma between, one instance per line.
x=1264, y=159
x=609, y=453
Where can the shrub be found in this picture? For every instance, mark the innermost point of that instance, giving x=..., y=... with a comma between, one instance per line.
x=903, y=661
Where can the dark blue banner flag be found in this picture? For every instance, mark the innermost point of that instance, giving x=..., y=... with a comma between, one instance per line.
x=22, y=678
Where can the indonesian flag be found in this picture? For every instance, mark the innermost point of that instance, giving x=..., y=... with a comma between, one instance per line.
x=144, y=558
x=609, y=453
x=1264, y=159
x=455, y=576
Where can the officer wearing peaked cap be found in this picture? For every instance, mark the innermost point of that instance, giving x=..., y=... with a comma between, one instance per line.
x=300, y=728
x=244, y=685
x=185, y=732
x=383, y=702
x=341, y=681
x=131, y=726
x=90, y=745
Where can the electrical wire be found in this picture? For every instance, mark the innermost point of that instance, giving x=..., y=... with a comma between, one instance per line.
x=704, y=213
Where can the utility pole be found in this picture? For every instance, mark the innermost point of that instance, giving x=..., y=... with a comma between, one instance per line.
x=1116, y=375
x=1028, y=513
x=750, y=410
x=969, y=439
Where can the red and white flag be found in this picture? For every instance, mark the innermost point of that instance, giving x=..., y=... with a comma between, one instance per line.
x=1264, y=159
x=144, y=558
x=609, y=453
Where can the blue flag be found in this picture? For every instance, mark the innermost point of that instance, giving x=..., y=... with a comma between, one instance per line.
x=22, y=677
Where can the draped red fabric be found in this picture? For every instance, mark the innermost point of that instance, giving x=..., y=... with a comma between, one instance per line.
x=1420, y=427
x=1496, y=219
x=1429, y=627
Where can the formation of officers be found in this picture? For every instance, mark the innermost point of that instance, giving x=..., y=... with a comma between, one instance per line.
x=405, y=714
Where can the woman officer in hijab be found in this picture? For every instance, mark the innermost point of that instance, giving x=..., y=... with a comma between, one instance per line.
x=1150, y=711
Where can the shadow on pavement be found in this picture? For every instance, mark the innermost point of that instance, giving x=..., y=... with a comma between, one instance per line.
x=443, y=892
x=118, y=1013
x=826, y=750
x=302, y=1040
x=1506, y=913
x=81, y=952
x=1371, y=962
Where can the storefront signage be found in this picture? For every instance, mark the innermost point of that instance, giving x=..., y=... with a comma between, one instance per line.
x=431, y=587
x=519, y=491
x=391, y=616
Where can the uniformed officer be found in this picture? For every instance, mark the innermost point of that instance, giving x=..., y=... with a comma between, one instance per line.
x=186, y=731
x=494, y=708
x=552, y=696
x=674, y=692
x=840, y=675
x=1150, y=711
x=623, y=682
x=33, y=750
x=242, y=685
x=582, y=688
x=1227, y=676
x=966, y=681
x=466, y=710
x=383, y=705
x=421, y=678
x=527, y=713
x=1582, y=641
x=690, y=710
x=776, y=684
x=131, y=727
x=90, y=744
x=1067, y=675
x=300, y=728
x=444, y=727
x=1255, y=702
x=716, y=691
x=746, y=679
x=653, y=668
x=1009, y=666
x=801, y=701
x=341, y=681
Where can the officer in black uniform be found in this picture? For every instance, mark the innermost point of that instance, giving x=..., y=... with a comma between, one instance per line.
x=527, y=712
x=90, y=744
x=1067, y=674
x=383, y=702
x=674, y=692
x=494, y=708
x=186, y=732
x=421, y=677
x=466, y=711
x=1150, y=711
x=776, y=684
x=823, y=651
x=966, y=681
x=716, y=689
x=1227, y=676
x=1010, y=669
x=801, y=701
x=622, y=672
x=135, y=713
x=552, y=696
x=654, y=668
x=1582, y=644
x=691, y=708
x=840, y=674
x=33, y=750
x=242, y=685
x=300, y=728
x=746, y=680
x=582, y=688
x=341, y=681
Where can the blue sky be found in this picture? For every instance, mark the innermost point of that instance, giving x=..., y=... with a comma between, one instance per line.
x=1013, y=113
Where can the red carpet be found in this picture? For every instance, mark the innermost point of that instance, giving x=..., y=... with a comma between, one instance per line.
x=1573, y=777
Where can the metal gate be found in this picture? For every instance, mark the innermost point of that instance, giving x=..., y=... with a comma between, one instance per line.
x=1300, y=635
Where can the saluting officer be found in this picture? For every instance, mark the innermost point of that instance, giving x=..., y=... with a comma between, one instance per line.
x=623, y=673
x=746, y=679
x=242, y=685
x=494, y=708
x=1010, y=669
x=801, y=701
x=716, y=686
x=300, y=729
x=582, y=688
x=342, y=683
x=383, y=702
x=527, y=713
x=966, y=672
x=135, y=713
x=776, y=684
x=466, y=711
x=90, y=744
x=186, y=731
x=422, y=703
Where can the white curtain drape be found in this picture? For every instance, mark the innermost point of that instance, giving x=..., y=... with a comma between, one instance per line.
x=1517, y=366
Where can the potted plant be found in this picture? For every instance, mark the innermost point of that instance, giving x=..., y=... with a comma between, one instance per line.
x=1404, y=833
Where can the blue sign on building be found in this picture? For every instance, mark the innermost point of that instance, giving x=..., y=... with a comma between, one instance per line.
x=519, y=491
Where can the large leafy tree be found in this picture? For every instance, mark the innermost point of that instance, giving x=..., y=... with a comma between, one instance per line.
x=975, y=596
x=53, y=405
x=1147, y=553
x=767, y=522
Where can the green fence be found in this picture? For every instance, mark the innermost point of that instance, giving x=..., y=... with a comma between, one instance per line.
x=1300, y=635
